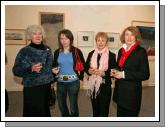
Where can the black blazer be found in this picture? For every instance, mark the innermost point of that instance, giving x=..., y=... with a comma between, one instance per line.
x=56, y=55
x=128, y=91
x=111, y=64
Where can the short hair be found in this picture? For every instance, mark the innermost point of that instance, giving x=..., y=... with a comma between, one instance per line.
x=102, y=35
x=135, y=31
x=68, y=34
x=33, y=28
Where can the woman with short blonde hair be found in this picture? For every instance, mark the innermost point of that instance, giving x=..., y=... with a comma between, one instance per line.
x=34, y=64
x=98, y=65
x=32, y=29
x=102, y=35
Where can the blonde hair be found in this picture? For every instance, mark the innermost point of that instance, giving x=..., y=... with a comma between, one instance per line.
x=102, y=35
x=135, y=31
x=33, y=28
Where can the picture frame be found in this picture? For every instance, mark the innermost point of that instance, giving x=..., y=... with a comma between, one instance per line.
x=15, y=37
x=85, y=38
x=113, y=39
x=147, y=31
x=52, y=23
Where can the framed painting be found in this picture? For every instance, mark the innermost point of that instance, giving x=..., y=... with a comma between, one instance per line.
x=85, y=38
x=52, y=24
x=113, y=39
x=147, y=31
x=15, y=37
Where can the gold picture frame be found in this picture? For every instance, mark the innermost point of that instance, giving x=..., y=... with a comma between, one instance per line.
x=15, y=37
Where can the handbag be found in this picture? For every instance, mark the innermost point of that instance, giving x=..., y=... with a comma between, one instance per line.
x=79, y=64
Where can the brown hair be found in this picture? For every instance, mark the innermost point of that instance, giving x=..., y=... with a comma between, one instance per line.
x=68, y=34
x=135, y=31
x=101, y=34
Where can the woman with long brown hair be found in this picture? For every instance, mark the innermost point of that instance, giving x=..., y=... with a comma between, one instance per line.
x=68, y=77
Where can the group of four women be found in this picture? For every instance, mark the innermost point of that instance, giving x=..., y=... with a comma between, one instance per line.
x=35, y=64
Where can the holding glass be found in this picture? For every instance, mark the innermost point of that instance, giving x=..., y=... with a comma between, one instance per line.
x=113, y=72
x=55, y=70
x=34, y=64
x=132, y=69
x=98, y=65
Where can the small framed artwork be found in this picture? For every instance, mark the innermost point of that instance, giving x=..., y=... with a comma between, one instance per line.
x=147, y=31
x=85, y=38
x=113, y=39
x=15, y=37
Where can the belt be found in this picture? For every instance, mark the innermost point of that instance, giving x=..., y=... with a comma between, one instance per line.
x=67, y=77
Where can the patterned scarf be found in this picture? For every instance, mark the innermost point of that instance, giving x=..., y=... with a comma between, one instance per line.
x=95, y=81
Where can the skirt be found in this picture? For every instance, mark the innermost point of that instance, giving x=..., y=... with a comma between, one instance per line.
x=36, y=101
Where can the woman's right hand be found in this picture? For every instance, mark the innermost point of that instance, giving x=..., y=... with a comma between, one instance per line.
x=36, y=67
x=91, y=71
x=55, y=70
x=113, y=72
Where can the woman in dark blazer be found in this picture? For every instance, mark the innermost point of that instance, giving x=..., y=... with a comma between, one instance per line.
x=132, y=69
x=98, y=65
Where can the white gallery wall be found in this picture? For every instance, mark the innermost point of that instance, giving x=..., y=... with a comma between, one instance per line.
x=77, y=18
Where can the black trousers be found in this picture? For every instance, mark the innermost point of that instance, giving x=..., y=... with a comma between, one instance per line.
x=101, y=103
x=123, y=112
x=36, y=101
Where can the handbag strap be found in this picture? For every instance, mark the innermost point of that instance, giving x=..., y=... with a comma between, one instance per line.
x=76, y=54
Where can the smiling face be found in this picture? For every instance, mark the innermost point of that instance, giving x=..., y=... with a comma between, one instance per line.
x=37, y=37
x=129, y=37
x=101, y=43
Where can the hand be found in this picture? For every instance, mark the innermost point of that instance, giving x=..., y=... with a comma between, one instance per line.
x=92, y=71
x=37, y=67
x=113, y=72
x=118, y=75
x=55, y=70
x=100, y=73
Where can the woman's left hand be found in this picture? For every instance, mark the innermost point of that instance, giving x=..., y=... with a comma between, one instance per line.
x=55, y=70
x=100, y=73
x=118, y=75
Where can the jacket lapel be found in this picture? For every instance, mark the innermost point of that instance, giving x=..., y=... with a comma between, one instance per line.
x=129, y=57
